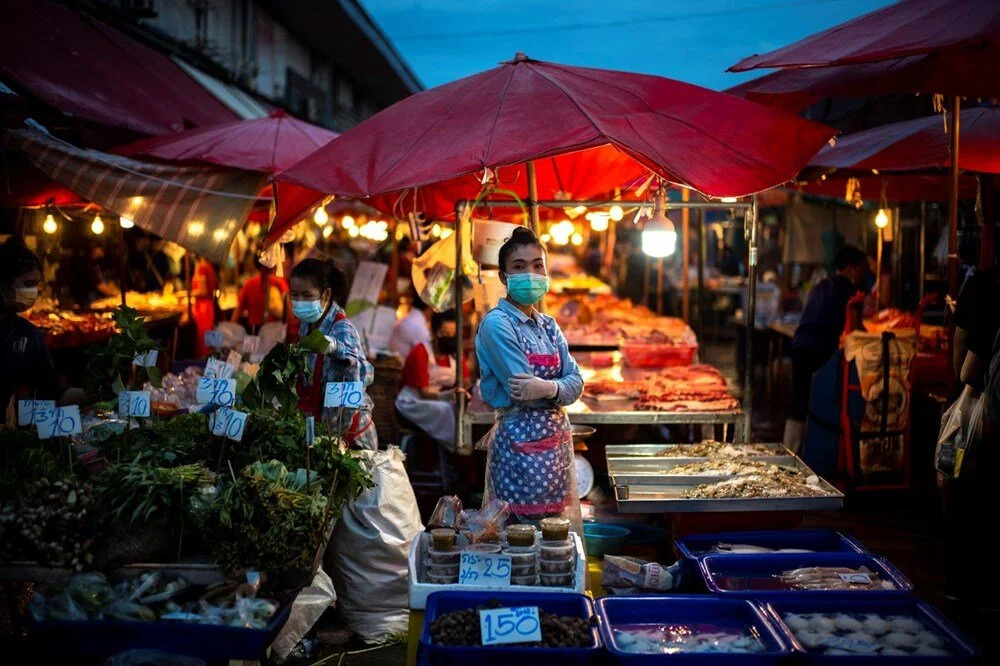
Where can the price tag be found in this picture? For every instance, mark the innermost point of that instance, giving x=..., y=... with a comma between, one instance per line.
x=217, y=369
x=146, y=360
x=229, y=423
x=510, y=625
x=215, y=391
x=484, y=569
x=213, y=339
x=310, y=430
x=251, y=343
x=856, y=578
x=58, y=421
x=234, y=359
x=343, y=394
x=26, y=410
x=133, y=403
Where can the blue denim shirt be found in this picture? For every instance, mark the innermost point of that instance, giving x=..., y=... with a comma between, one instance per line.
x=501, y=355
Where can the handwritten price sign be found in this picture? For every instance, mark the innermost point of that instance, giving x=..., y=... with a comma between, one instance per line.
x=510, y=625
x=26, y=410
x=146, y=360
x=216, y=369
x=133, y=403
x=343, y=394
x=58, y=422
x=229, y=423
x=213, y=339
x=251, y=344
x=484, y=569
x=216, y=391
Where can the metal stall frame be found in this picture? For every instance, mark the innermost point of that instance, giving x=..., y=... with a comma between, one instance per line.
x=463, y=209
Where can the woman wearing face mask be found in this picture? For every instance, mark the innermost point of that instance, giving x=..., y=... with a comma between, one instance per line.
x=427, y=392
x=528, y=377
x=317, y=287
x=26, y=368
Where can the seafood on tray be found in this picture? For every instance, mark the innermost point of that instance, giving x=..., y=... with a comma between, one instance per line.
x=773, y=483
x=835, y=579
x=712, y=449
x=727, y=467
x=683, y=388
x=656, y=639
x=869, y=633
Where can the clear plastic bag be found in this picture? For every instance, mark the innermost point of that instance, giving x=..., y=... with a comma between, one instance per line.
x=956, y=427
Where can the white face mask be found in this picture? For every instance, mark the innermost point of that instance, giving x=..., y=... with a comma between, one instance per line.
x=26, y=296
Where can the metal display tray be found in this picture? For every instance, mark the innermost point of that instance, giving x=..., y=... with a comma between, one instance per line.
x=653, y=450
x=644, y=472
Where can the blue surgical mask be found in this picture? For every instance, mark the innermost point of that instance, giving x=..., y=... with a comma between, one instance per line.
x=308, y=311
x=527, y=288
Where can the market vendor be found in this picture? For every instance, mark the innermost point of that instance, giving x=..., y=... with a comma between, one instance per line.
x=204, y=283
x=28, y=371
x=427, y=391
x=261, y=299
x=818, y=334
x=317, y=288
x=528, y=377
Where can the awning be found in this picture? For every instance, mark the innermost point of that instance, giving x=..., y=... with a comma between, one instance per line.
x=199, y=207
x=242, y=104
x=84, y=68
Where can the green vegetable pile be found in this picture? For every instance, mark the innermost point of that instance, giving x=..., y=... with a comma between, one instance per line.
x=109, y=367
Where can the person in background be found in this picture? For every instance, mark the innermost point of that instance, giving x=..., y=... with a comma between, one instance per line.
x=818, y=334
x=634, y=281
x=27, y=371
x=977, y=320
x=261, y=299
x=204, y=283
x=413, y=329
x=83, y=277
x=427, y=384
x=729, y=263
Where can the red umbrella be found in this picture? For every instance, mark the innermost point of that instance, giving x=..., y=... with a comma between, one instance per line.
x=527, y=110
x=898, y=188
x=907, y=28
x=914, y=145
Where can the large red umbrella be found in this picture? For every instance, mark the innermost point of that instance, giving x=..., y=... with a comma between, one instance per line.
x=526, y=110
x=896, y=187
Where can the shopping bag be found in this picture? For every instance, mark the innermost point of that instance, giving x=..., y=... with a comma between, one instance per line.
x=954, y=429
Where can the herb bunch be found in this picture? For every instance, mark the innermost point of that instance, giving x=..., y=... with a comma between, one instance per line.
x=109, y=366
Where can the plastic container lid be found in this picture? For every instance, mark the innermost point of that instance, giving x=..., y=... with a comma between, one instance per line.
x=556, y=580
x=485, y=548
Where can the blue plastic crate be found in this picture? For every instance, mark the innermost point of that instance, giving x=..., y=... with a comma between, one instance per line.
x=714, y=568
x=679, y=609
x=963, y=650
x=439, y=603
x=695, y=546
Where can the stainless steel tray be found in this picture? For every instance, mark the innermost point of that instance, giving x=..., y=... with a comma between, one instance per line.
x=644, y=472
x=653, y=499
x=653, y=450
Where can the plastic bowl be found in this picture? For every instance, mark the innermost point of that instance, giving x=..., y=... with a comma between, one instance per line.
x=657, y=355
x=557, y=550
x=555, y=566
x=600, y=539
x=556, y=580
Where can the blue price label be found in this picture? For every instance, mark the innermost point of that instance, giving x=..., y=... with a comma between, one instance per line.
x=213, y=339
x=26, y=410
x=146, y=360
x=216, y=391
x=510, y=625
x=343, y=394
x=251, y=344
x=58, y=422
x=234, y=359
x=216, y=369
x=229, y=423
x=133, y=403
x=484, y=569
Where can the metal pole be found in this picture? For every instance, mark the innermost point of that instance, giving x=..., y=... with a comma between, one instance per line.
x=750, y=229
x=897, y=258
x=953, y=202
x=393, y=261
x=535, y=224
x=572, y=203
x=457, y=286
x=659, y=286
x=878, y=271
x=921, y=260
x=685, y=258
x=701, y=277
x=124, y=264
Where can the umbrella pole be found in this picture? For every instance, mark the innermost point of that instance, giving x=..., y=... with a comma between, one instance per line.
x=878, y=271
x=701, y=277
x=922, y=267
x=750, y=230
x=394, y=262
x=124, y=264
x=533, y=198
x=457, y=290
x=685, y=258
x=953, y=201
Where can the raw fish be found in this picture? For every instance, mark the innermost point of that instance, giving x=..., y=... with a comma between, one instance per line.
x=874, y=624
x=899, y=639
x=846, y=622
x=822, y=623
x=797, y=622
x=929, y=638
x=907, y=624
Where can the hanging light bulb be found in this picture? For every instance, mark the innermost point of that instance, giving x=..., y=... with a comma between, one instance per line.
x=546, y=238
x=445, y=233
x=436, y=230
x=97, y=226
x=347, y=221
x=599, y=221
x=881, y=219
x=728, y=199
x=126, y=223
x=327, y=231
x=616, y=213
x=353, y=232
x=659, y=239
x=49, y=226
x=320, y=217
x=576, y=239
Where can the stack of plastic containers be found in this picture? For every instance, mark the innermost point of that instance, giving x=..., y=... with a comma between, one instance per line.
x=557, y=557
x=442, y=561
x=523, y=554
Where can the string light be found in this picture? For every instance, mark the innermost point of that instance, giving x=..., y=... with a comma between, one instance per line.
x=576, y=239
x=445, y=233
x=97, y=226
x=436, y=230
x=347, y=221
x=49, y=226
x=353, y=232
x=598, y=221
x=728, y=199
x=126, y=223
x=196, y=228
x=327, y=231
x=320, y=217
x=616, y=213
x=659, y=239
x=219, y=235
x=881, y=219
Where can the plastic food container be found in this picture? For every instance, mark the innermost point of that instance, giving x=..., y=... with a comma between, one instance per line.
x=522, y=580
x=483, y=548
x=555, y=566
x=441, y=580
x=443, y=538
x=657, y=354
x=556, y=580
x=695, y=546
x=442, y=569
x=557, y=550
x=521, y=535
x=555, y=529
x=443, y=557
x=521, y=555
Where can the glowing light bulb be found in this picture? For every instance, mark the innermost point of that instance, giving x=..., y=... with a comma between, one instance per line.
x=196, y=228
x=599, y=222
x=126, y=223
x=97, y=226
x=347, y=221
x=616, y=213
x=320, y=217
x=546, y=238
x=327, y=231
x=49, y=226
x=576, y=239
x=659, y=239
x=436, y=230
x=353, y=232
x=728, y=199
x=445, y=233
x=219, y=235
x=881, y=219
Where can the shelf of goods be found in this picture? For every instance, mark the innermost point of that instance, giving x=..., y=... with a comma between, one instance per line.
x=64, y=329
x=605, y=322
x=714, y=476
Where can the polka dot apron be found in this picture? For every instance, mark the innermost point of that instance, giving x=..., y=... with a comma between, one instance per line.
x=531, y=456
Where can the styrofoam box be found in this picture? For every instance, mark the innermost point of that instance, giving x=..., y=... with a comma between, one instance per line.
x=419, y=591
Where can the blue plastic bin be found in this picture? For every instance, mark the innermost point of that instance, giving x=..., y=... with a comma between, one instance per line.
x=439, y=603
x=962, y=648
x=716, y=567
x=695, y=546
x=680, y=609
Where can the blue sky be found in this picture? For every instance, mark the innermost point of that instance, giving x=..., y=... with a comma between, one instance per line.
x=692, y=40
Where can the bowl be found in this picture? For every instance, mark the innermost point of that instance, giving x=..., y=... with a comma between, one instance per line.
x=600, y=539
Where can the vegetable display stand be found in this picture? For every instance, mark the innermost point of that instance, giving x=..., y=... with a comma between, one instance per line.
x=696, y=546
x=721, y=621
x=573, y=605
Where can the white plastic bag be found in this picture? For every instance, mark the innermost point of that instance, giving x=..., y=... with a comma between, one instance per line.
x=309, y=605
x=957, y=426
x=367, y=556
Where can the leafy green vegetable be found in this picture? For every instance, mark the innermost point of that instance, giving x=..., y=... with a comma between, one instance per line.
x=133, y=493
x=110, y=365
x=273, y=389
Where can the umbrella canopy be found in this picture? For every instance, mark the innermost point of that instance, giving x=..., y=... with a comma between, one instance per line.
x=897, y=187
x=261, y=144
x=907, y=28
x=919, y=144
x=528, y=110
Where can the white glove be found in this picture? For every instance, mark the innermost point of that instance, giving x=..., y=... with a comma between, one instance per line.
x=526, y=388
x=333, y=345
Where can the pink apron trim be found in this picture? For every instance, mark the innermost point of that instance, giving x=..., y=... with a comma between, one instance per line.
x=538, y=445
x=528, y=509
x=543, y=360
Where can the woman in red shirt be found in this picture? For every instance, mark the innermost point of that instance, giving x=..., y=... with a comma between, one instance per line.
x=204, y=284
x=261, y=299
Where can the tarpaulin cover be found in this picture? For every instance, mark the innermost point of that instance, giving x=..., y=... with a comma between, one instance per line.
x=910, y=27
x=199, y=207
x=899, y=188
x=89, y=70
x=918, y=144
x=528, y=110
